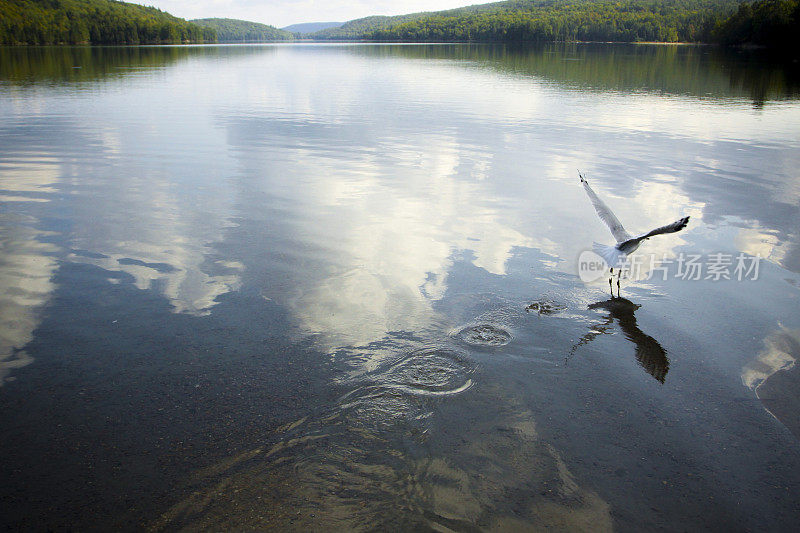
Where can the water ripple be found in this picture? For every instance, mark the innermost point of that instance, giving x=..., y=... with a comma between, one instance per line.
x=484, y=335
x=430, y=371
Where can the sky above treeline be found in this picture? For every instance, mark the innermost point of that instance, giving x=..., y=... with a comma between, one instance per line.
x=282, y=13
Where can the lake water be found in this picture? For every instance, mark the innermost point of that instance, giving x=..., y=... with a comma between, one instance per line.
x=337, y=287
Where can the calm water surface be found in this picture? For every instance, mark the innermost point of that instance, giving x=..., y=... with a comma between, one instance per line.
x=335, y=287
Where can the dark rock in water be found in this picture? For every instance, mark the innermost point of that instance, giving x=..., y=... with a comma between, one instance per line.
x=546, y=307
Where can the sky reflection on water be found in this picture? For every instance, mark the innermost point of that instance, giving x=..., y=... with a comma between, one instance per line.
x=363, y=203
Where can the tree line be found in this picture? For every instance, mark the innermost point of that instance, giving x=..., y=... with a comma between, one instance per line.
x=243, y=30
x=93, y=22
x=772, y=23
x=362, y=28
x=568, y=20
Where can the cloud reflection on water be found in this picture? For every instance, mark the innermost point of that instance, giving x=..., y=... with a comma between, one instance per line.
x=773, y=376
x=387, y=217
x=26, y=269
x=393, y=253
x=27, y=261
x=159, y=216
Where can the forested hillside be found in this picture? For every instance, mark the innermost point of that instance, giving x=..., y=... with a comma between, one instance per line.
x=363, y=27
x=773, y=23
x=550, y=20
x=243, y=30
x=94, y=22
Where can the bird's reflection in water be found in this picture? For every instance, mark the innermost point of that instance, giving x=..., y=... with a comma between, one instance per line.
x=649, y=352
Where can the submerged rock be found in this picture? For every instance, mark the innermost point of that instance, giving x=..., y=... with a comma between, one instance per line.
x=546, y=307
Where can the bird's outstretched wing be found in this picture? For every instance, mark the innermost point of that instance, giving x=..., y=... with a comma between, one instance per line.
x=606, y=215
x=669, y=228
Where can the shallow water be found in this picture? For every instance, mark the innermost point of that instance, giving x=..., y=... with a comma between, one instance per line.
x=337, y=287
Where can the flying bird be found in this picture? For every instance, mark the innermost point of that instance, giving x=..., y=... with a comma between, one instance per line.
x=616, y=255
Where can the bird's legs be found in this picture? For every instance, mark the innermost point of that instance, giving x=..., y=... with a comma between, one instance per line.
x=611, y=279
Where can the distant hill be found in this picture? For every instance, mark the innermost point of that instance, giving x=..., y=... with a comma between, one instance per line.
x=311, y=27
x=548, y=20
x=361, y=28
x=93, y=22
x=243, y=30
x=364, y=27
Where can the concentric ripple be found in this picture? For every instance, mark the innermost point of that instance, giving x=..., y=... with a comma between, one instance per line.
x=431, y=372
x=484, y=335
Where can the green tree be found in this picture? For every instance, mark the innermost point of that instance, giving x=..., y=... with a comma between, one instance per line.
x=92, y=21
